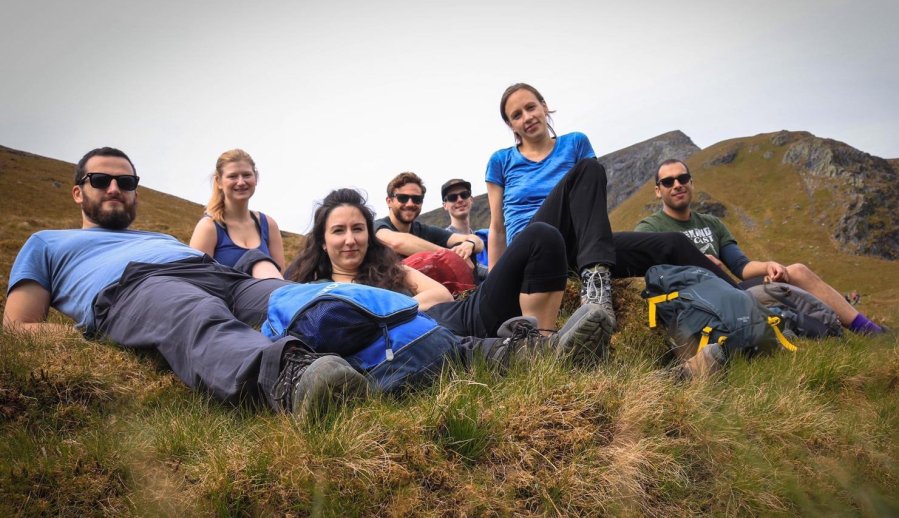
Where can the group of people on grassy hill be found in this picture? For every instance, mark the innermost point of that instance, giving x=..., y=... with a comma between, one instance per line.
x=200, y=305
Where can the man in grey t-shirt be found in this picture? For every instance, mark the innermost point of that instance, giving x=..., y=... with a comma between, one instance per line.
x=458, y=202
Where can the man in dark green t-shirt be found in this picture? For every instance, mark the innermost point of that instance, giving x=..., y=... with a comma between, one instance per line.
x=674, y=186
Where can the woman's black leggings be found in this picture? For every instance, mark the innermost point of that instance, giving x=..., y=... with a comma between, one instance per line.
x=533, y=263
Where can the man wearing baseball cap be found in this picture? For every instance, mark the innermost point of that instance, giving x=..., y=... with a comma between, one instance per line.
x=458, y=202
x=419, y=243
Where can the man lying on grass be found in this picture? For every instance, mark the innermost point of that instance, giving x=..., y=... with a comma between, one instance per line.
x=146, y=290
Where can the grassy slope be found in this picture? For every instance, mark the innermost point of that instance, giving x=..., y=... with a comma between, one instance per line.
x=88, y=428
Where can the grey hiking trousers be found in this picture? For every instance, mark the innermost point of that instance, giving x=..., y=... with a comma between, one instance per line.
x=199, y=315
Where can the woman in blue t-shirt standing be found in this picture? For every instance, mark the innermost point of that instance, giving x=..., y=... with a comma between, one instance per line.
x=229, y=229
x=557, y=180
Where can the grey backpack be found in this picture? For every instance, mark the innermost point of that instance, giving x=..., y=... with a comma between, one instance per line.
x=803, y=313
x=697, y=308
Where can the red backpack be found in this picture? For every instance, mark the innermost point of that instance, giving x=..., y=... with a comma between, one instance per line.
x=445, y=267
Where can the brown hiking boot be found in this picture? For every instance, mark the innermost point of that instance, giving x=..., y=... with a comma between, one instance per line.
x=703, y=364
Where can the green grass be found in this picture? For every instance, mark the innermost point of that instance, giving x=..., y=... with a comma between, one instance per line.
x=89, y=428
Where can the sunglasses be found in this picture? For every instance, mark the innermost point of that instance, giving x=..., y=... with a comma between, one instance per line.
x=126, y=182
x=404, y=198
x=456, y=195
x=668, y=183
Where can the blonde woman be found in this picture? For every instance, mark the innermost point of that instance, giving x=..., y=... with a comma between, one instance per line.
x=229, y=229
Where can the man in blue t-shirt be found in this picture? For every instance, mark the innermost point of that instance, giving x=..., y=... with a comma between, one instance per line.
x=148, y=290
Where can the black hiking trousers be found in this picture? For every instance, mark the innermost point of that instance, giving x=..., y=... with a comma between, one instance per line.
x=577, y=207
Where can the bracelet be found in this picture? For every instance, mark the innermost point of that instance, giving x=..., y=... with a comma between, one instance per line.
x=473, y=245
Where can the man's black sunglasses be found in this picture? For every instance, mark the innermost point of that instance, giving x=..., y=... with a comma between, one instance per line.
x=404, y=198
x=126, y=182
x=456, y=195
x=668, y=183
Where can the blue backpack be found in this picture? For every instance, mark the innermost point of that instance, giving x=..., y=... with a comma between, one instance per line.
x=379, y=332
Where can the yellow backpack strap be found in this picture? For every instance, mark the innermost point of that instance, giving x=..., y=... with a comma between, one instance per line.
x=773, y=321
x=704, y=339
x=652, y=306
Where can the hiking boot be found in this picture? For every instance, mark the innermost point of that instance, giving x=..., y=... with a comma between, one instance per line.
x=507, y=329
x=311, y=380
x=522, y=338
x=703, y=364
x=596, y=288
x=587, y=333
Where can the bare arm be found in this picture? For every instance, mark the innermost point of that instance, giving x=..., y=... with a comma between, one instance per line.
x=405, y=243
x=773, y=270
x=428, y=292
x=26, y=311
x=497, y=236
x=465, y=246
x=478, y=244
x=275, y=243
x=204, y=237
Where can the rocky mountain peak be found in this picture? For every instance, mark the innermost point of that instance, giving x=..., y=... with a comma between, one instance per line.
x=629, y=168
x=862, y=188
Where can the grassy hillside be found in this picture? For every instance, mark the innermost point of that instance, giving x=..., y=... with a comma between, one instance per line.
x=88, y=429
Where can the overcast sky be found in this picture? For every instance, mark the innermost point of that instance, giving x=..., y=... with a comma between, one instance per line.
x=350, y=93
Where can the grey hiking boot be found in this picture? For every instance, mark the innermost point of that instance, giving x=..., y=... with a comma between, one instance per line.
x=703, y=364
x=523, y=338
x=596, y=288
x=585, y=336
x=508, y=328
x=587, y=333
x=310, y=380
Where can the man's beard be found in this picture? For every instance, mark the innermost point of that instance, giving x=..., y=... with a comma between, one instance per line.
x=112, y=219
x=400, y=214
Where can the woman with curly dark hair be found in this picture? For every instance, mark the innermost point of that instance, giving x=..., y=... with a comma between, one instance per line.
x=528, y=280
x=342, y=247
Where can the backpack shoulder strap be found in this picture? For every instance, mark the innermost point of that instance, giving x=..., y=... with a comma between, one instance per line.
x=652, y=301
